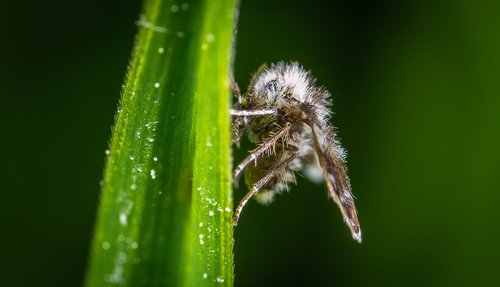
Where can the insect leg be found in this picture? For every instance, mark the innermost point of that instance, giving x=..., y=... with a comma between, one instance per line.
x=250, y=113
x=263, y=147
x=236, y=90
x=261, y=183
x=236, y=131
x=238, y=121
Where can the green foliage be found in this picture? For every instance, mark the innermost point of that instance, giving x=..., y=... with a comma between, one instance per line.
x=166, y=203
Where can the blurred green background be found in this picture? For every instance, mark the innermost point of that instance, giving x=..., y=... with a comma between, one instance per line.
x=416, y=89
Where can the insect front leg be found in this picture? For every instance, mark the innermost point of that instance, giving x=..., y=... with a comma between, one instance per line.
x=251, y=113
x=236, y=90
x=273, y=172
x=236, y=131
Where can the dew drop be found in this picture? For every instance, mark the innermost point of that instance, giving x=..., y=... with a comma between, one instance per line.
x=174, y=8
x=123, y=218
x=105, y=245
x=210, y=38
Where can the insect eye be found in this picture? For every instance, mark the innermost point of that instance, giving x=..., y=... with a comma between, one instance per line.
x=272, y=86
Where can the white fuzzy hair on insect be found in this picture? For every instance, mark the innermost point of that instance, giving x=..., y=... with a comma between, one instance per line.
x=288, y=117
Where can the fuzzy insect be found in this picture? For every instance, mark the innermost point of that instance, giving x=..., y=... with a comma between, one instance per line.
x=289, y=118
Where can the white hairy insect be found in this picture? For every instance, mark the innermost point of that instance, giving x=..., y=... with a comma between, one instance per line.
x=289, y=118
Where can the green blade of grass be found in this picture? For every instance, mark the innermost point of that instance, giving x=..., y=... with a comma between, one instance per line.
x=166, y=203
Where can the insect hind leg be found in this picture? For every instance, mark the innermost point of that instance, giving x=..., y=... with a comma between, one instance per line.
x=273, y=172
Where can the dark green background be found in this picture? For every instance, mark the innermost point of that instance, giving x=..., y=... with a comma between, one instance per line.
x=416, y=89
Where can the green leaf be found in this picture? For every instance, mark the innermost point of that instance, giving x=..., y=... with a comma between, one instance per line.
x=166, y=203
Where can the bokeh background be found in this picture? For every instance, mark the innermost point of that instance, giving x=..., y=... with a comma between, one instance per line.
x=416, y=89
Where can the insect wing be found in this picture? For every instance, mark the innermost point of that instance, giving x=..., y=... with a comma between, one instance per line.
x=331, y=158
